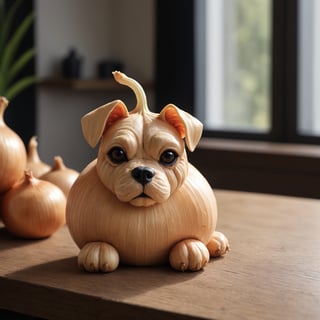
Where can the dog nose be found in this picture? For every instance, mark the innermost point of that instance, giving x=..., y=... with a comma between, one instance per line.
x=142, y=175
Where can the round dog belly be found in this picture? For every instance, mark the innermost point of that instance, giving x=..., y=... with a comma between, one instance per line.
x=141, y=235
x=145, y=236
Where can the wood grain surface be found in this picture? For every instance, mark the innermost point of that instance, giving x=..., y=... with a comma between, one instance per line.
x=271, y=272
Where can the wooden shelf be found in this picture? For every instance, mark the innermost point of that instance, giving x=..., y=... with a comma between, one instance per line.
x=87, y=84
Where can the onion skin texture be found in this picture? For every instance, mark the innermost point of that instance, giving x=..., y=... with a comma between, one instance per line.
x=61, y=176
x=33, y=209
x=141, y=235
x=13, y=154
x=34, y=163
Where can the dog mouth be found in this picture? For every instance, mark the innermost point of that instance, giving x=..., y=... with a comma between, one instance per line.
x=142, y=195
x=142, y=200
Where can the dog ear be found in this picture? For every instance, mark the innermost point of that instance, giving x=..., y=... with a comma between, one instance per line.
x=97, y=121
x=188, y=126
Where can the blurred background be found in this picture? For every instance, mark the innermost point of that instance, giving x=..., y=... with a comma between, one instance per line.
x=248, y=69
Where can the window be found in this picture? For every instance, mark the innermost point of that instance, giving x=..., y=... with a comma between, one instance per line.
x=254, y=66
x=309, y=68
x=233, y=64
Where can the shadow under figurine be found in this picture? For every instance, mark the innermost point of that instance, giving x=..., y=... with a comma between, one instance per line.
x=141, y=202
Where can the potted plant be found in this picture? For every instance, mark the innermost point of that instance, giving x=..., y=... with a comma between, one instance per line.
x=12, y=63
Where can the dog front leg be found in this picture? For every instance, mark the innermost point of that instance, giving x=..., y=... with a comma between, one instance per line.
x=189, y=254
x=218, y=244
x=98, y=257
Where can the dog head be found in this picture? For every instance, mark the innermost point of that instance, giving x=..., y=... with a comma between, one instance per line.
x=141, y=158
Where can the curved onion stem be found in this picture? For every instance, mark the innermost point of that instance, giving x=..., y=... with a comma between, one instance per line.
x=3, y=105
x=34, y=162
x=142, y=105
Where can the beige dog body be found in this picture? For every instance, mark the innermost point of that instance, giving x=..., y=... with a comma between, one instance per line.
x=141, y=198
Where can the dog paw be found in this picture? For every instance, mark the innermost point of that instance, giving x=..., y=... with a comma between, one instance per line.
x=98, y=257
x=218, y=244
x=190, y=255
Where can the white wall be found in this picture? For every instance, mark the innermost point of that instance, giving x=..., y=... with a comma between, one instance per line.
x=100, y=29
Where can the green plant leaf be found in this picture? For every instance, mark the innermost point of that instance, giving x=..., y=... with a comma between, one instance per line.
x=6, y=21
x=2, y=85
x=1, y=14
x=10, y=65
x=18, y=86
x=11, y=47
x=19, y=64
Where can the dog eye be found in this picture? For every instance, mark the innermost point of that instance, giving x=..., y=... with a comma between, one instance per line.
x=117, y=155
x=168, y=158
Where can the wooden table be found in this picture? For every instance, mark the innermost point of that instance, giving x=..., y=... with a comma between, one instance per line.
x=271, y=272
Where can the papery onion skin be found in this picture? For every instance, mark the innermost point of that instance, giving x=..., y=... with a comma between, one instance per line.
x=13, y=154
x=94, y=213
x=34, y=163
x=33, y=208
x=61, y=176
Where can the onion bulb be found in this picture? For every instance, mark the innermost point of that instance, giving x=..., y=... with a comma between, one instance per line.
x=33, y=208
x=13, y=155
x=61, y=176
x=34, y=162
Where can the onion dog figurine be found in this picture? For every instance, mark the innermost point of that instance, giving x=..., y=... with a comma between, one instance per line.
x=141, y=202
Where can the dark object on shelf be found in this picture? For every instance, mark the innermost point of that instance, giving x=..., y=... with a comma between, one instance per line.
x=105, y=68
x=71, y=65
